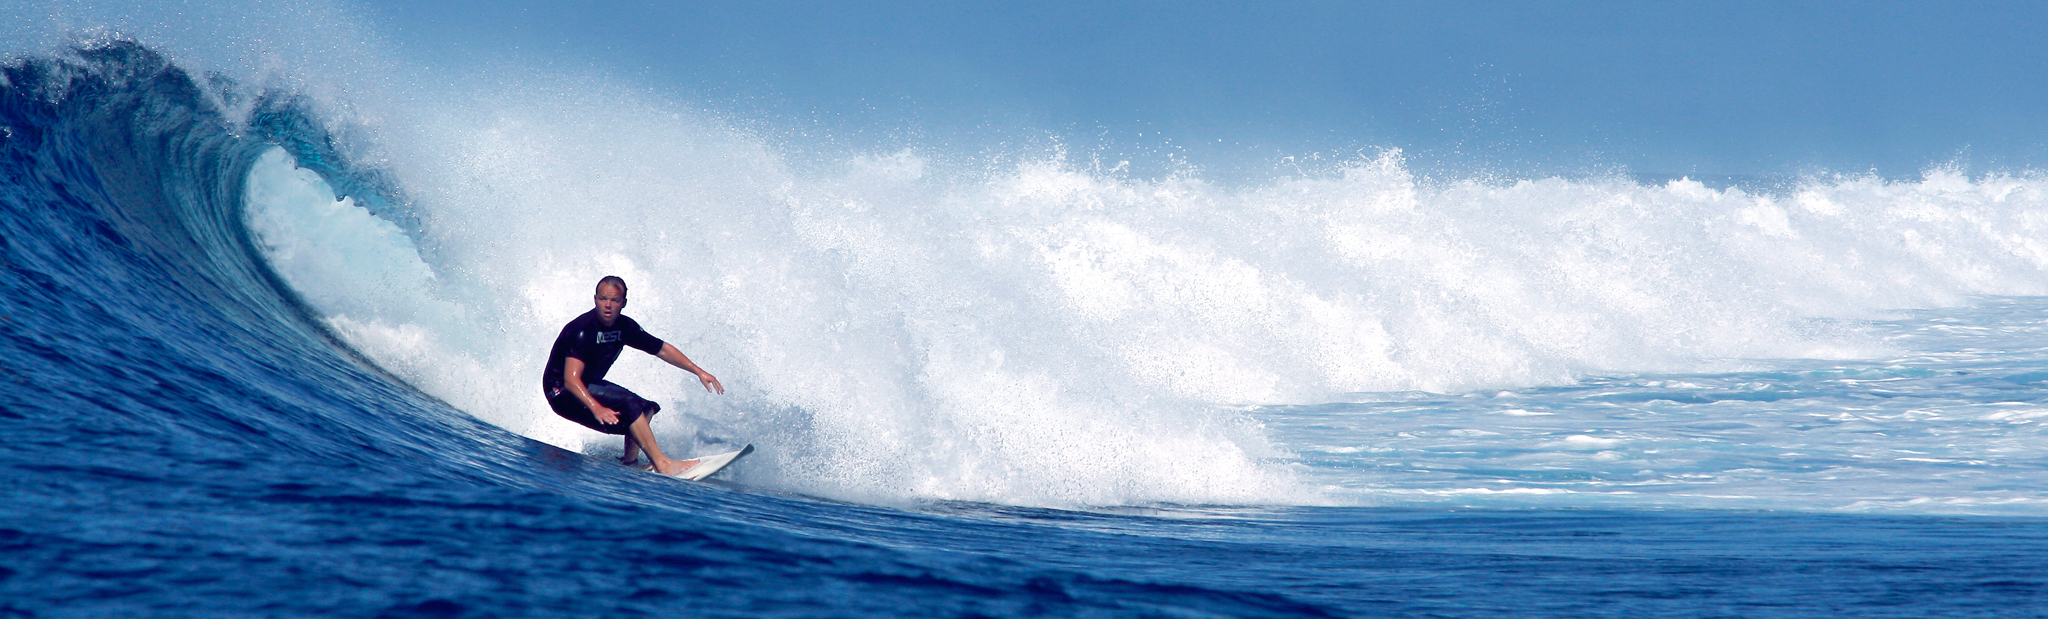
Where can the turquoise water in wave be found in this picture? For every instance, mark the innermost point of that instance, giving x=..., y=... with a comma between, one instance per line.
x=269, y=323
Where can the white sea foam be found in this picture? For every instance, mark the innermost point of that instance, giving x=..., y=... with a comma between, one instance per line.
x=1042, y=333
x=1027, y=328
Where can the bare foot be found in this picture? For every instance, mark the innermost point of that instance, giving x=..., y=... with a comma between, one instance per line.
x=676, y=467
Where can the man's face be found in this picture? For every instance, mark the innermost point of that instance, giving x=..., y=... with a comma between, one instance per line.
x=609, y=301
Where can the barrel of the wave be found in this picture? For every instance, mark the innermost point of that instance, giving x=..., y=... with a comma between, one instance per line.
x=575, y=385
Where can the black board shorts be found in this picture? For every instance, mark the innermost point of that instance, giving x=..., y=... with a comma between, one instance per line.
x=628, y=405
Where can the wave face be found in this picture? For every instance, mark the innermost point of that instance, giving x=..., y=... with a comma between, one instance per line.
x=144, y=329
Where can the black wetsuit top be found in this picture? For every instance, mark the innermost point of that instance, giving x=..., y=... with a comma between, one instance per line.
x=597, y=345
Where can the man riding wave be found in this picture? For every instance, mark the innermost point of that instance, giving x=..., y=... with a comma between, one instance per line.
x=574, y=379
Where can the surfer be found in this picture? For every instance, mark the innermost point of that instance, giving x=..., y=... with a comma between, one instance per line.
x=574, y=380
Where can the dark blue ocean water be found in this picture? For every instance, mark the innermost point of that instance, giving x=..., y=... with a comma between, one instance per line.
x=179, y=436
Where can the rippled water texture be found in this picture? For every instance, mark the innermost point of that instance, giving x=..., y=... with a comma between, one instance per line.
x=1951, y=424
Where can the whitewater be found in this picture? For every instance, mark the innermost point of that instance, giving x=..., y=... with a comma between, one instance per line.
x=273, y=333
x=1050, y=332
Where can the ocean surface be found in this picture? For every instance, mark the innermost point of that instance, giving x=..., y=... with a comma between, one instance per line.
x=262, y=355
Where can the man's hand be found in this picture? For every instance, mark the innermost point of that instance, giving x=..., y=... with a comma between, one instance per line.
x=710, y=382
x=604, y=414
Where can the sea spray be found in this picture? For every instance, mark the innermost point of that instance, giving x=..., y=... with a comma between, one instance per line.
x=900, y=327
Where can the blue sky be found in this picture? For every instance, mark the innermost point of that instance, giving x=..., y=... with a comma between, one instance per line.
x=1515, y=87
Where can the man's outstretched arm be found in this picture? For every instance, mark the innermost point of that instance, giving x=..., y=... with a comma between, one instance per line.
x=675, y=357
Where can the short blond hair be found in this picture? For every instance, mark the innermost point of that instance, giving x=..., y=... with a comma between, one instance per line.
x=612, y=280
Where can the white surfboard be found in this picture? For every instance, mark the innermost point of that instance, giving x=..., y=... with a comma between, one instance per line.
x=707, y=465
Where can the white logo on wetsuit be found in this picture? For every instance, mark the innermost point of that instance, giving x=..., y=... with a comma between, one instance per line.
x=607, y=337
